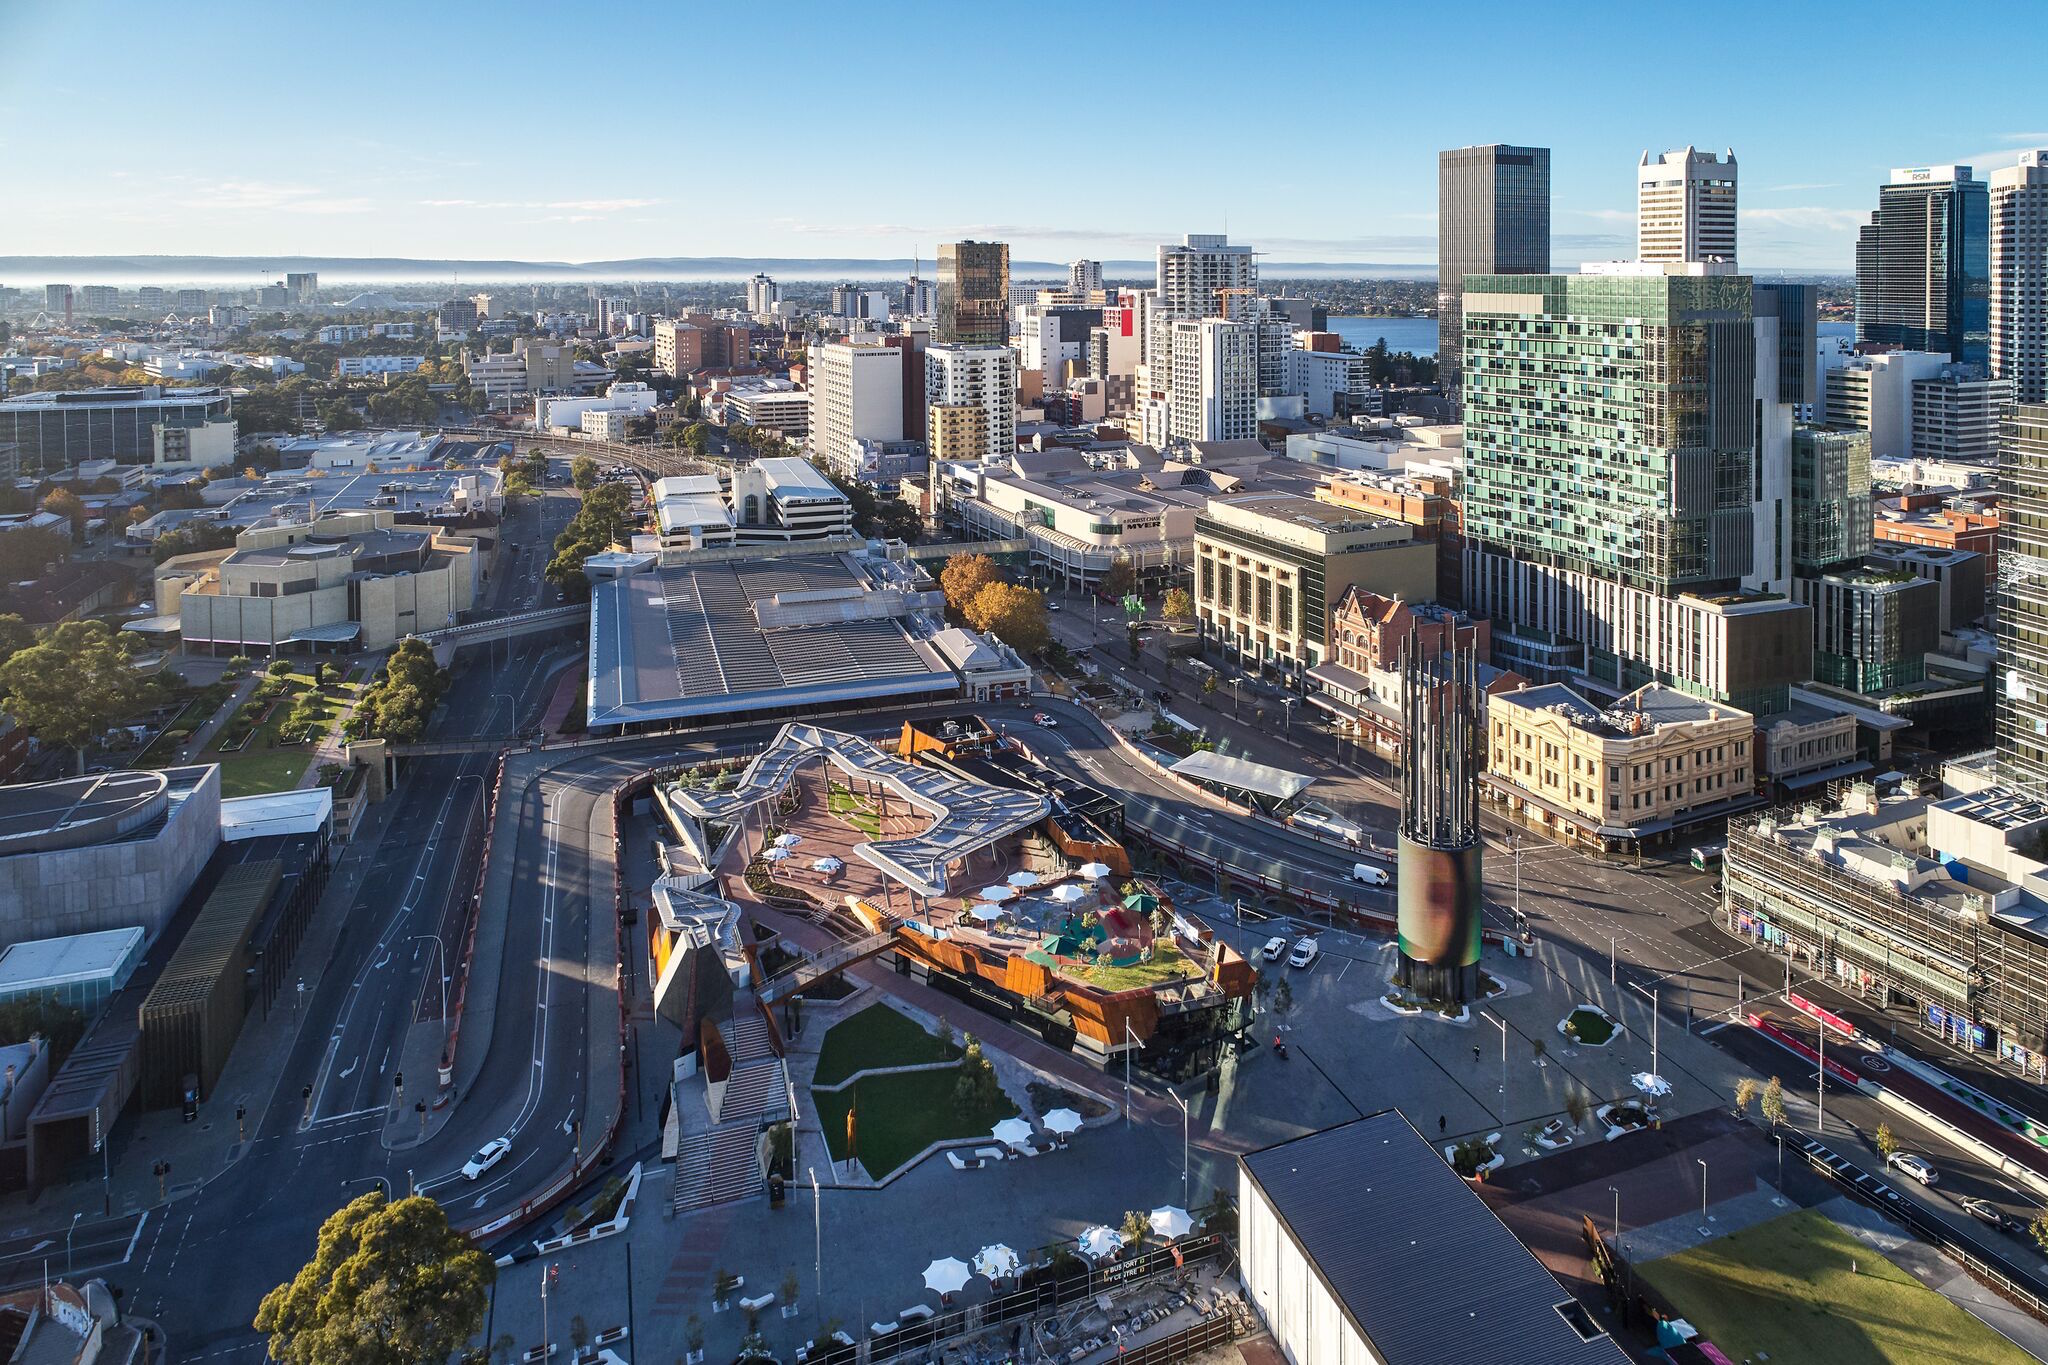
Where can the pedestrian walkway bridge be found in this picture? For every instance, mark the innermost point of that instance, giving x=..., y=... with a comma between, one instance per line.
x=446, y=641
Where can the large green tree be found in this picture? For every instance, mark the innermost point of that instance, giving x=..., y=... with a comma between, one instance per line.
x=583, y=472
x=15, y=634
x=72, y=684
x=604, y=519
x=389, y=1284
x=398, y=707
x=27, y=551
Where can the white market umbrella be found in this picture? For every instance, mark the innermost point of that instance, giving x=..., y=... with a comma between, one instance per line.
x=1012, y=1132
x=1094, y=872
x=1062, y=1121
x=776, y=855
x=996, y=1262
x=1171, y=1222
x=987, y=913
x=1650, y=1083
x=1099, y=1242
x=826, y=865
x=788, y=840
x=1023, y=879
x=1066, y=893
x=948, y=1276
x=996, y=893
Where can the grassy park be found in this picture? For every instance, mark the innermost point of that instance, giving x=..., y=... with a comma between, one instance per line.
x=876, y=1037
x=263, y=747
x=1801, y=1288
x=899, y=1115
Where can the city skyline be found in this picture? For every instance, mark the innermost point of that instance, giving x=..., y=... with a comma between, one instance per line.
x=324, y=137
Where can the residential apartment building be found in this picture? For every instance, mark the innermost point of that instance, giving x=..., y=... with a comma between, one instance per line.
x=1215, y=380
x=1268, y=565
x=356, y=580
x=99, y=299
x=341, y=333
x=1493, y=218
x=1923, y=265
x=974, y=294
x=304, y=286
x=1873, y=628
x=369, y=366
x=1194, y=275
x=1636, y=530
x=1831, y=498
x=1685, y=207
x=981, y=377
x=2021, y=708
x=2019, y=276
x=856, y=395
x=762, y=294
x=678, y=348
x=1655, y=763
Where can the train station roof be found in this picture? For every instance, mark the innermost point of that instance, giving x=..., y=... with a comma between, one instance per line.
x=1242, y=774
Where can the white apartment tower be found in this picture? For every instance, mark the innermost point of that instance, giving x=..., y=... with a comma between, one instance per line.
x=1215, y=389
x=2019, y=276
x=977, y=376
x=1193, y=275
x=762, y=294
x=1084, y=277
x=1685, y=207
x=856, y=395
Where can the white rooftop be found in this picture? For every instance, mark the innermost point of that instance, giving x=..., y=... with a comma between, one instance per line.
x=76, y=957
x=294, y=812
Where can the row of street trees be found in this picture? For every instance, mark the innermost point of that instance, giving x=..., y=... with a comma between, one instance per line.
x=604, y=519
x=976, y=589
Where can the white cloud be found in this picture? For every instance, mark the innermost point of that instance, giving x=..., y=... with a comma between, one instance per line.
x=1809, y=217
x=583, y=206
x=255, y=196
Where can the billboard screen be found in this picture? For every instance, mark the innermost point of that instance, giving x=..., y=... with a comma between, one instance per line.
x=1439, y=904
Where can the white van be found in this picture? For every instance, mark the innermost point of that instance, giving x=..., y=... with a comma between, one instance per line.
x=1370, y=875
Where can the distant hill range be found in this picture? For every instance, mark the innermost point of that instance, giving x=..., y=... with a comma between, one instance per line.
x=27, y=270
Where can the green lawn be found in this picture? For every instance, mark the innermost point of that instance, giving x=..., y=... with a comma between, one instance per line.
x=266, y=763
x=1591, y=1028
x=1167, y=963
x=1786, y=1287
x=877, y=1036
x=898, y=1116
x=857, y=811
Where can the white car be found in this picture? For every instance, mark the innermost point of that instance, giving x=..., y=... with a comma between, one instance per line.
x=1274, y=948
x=1919, y=1167
x=492, y=1153
x=1370, y=875
x=1044, y=720
x=1305, y=952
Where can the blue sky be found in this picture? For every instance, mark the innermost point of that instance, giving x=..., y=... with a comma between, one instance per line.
x=560, y=131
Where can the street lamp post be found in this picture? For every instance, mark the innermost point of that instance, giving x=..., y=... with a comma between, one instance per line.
x=1502, y=1025
x=1615, y=1190
x=67, y=1241
x=1701, y=1162
x=817, y=1242
x=1656, y=1013
x=1611, y=959
x=1131, y=1045
x=1183, y=1146
x=1820, y=1086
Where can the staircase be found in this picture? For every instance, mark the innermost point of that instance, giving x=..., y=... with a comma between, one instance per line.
x=717, y=1167
x=746, y=1036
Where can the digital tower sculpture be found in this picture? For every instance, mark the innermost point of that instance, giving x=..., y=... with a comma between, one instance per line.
x=1438, y=902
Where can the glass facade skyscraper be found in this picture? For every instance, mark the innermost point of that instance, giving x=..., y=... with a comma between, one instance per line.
x=973, y=294
x=1493, y=218
x=2021, y=710
x=1831, y=498
x=1923, y=265
x=1609, y=423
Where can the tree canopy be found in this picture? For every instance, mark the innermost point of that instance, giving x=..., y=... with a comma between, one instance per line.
x=73, y=683
x=27, y=551
x=398, y=706
x=1179, y=605
x=1014, y=613
x=606, y=517
x=389, y=1284
x=67, y=504
x=965, y=576
x=583, y=472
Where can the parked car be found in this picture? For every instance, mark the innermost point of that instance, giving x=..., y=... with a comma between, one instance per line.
x=1052, y=606
x=1047, y=721
x=1370, y=875
x=1915, y=1165
x=1275, y=946
x=488, y=1156
x=1305, y=952
x=1986, y=1212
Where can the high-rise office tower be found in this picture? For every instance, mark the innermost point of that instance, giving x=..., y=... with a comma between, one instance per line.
x=2021, y=710
x=1612, y=529
x=1923, y=268
x=1193, y=275
x=1492, y=218
x=2019, y=276
x=304, y=286
x=974, y=294
x=1685, y=207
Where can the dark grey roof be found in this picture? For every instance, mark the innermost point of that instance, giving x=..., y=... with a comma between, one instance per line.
x=1422, y=1268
